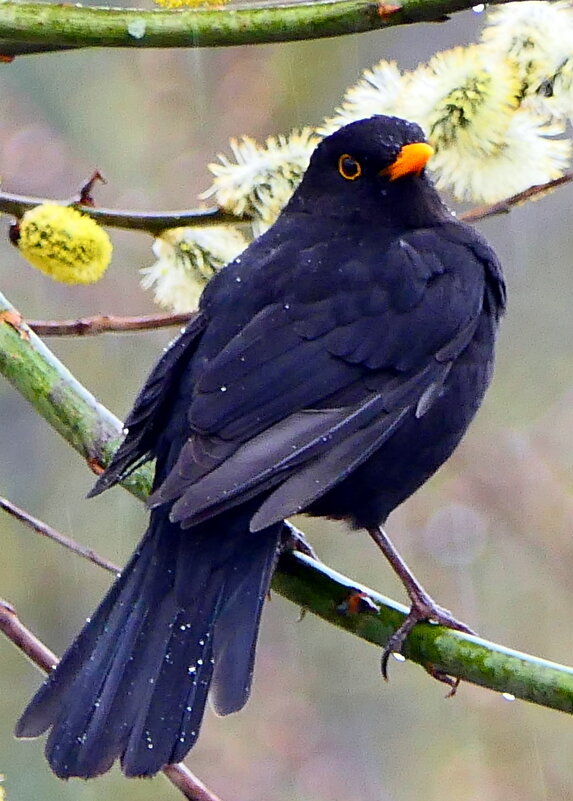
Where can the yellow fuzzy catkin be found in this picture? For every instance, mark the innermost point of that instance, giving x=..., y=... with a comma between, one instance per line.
x=64, y=243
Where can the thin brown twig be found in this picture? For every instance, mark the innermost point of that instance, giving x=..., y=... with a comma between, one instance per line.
x=10, y=625
x=151, y=222
x=107, y=323
x=14, y=629
x=506, y=205
x=191, y=787
x=47, y=531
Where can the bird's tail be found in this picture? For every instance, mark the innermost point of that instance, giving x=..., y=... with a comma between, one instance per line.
x=183, y=615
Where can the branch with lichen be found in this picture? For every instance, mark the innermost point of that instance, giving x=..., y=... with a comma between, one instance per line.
x=92, y=431
x=37, y=27
x=59, y=398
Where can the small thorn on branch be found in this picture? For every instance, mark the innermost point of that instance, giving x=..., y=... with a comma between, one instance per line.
x=357, y=603
x=84, y=196
x=386, y=10
x=95, y=465
x=14, y=319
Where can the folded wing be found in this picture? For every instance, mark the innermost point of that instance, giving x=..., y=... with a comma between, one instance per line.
x=312, y=386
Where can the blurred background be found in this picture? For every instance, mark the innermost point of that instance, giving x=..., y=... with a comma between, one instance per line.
x=491, y=536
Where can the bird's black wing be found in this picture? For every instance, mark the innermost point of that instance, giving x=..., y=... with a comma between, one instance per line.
x=314, y=384
x=147, y=417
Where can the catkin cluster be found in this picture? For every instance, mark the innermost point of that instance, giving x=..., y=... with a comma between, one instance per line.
x=496, y=113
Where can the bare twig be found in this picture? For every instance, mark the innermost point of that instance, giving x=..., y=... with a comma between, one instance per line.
x=23, y=638
x=10, y=625
x=151, y=222
x=505, y=206
x=190, y=786
x=47, y=531
x=107, y=323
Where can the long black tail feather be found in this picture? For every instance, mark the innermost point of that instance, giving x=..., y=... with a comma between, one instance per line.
x=134, y=683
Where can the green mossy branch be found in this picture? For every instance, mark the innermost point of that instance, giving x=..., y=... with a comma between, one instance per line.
x=320, y=590
x=93, y=431
x=61, y=400
x=34, y=27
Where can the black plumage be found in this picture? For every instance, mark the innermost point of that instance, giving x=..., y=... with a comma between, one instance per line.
x=331, y=369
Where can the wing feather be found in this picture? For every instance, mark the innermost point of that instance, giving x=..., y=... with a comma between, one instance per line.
x=144, y=422
x=308, y=388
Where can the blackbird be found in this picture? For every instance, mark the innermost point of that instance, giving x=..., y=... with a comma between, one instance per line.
x=331, y=369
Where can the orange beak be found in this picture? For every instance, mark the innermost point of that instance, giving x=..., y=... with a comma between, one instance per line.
x=411, y=160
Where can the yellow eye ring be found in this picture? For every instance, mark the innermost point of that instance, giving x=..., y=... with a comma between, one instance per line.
x=349, y=168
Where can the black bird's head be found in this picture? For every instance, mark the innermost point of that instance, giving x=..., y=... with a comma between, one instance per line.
x=372, y=170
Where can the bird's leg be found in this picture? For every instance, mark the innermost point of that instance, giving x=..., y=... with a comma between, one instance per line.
x=423, y=607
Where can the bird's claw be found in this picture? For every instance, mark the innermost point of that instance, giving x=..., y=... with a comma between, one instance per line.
x=292, y=539
x=439, y=675
x=423, y=609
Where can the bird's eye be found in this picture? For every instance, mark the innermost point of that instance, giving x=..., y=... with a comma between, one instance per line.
x=349, y=168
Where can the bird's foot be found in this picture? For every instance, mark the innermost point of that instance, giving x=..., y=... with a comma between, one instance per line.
x=292, y=539
x=439, y=675
x=423, y=609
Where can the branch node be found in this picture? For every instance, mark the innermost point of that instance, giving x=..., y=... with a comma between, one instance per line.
x=14, y=319
x=84, y=196
x=386, y=10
